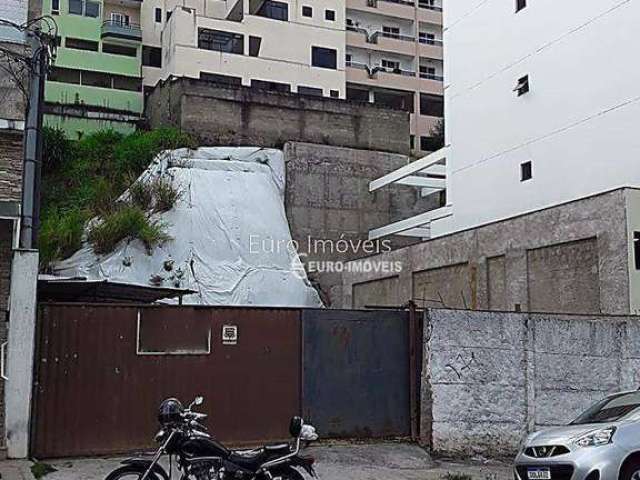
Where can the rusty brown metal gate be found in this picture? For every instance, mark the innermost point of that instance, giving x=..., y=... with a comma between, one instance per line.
x=101, y=370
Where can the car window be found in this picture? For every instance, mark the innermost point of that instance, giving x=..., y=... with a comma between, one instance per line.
x=610, y=409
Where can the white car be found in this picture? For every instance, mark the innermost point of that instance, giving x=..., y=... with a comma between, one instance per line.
x=601, y=444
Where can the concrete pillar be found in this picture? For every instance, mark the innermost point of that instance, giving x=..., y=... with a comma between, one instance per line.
x=516, y=280
x=21, y=351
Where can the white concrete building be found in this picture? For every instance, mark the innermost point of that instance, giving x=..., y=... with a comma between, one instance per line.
x=531, y=123
x=282, y=46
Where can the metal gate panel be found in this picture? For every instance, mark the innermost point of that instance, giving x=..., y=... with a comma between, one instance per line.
x=96, y=393
x=356, y=380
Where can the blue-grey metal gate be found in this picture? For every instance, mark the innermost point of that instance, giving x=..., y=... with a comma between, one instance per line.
x=357, y=372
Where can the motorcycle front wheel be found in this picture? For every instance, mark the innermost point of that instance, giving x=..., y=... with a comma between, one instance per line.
x=130, y=472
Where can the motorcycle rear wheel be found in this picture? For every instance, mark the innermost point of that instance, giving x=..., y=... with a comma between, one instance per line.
x=130, y=472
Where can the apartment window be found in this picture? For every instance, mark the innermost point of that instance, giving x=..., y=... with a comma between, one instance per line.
x=75, y=7
x=55, y=7
x=431, y=105
x=91, y=9
x=520, y=4
x=324, y=57
x=412, y=142
x=79, y=44
x=64, y=75
x=390, y=65
x=636, y=249
x=310, y=91
x=348, y=58
x=334, y=93
x=430, y=144
x=132, y=84
x=391, y=32
x=119, y=50
x=522, y=86
x=158, y=14
x=427, y=70
x=120, y=19
x=526, y=172
x=151, y=56
x=274, y=10
x=271, y=86
x=254, y=46
x=357, y=94
x=220, y=41
x=221, y=79
x=307, y=11
x=397, y=99
x=330, y=15
x=428, y=38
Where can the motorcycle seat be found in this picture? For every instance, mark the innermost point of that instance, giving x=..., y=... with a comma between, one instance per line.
x=276, y=447
x=252, y=459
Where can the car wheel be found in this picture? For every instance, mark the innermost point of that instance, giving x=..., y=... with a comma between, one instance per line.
x=631, y=470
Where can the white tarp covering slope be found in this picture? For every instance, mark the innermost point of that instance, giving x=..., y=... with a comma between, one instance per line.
x=230, y=234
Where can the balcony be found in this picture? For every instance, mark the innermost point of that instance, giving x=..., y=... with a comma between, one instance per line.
x=383, y=41
x=393, y=8
x=431, y=76
x=130, y=32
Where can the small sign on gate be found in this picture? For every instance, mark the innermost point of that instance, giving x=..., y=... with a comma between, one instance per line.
x=229, y=334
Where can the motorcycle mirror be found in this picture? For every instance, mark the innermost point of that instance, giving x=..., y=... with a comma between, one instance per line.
x=199, y=400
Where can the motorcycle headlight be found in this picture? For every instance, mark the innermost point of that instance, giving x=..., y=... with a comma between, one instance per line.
x=604, y=436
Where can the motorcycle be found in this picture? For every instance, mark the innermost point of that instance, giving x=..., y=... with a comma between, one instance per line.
x=199, y=456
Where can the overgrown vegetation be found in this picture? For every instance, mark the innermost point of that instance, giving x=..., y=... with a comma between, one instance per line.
x=40, y=469
x=83, y=179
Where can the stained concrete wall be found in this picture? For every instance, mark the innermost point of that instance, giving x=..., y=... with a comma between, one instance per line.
x=490, y=377
x=227, y=115
x=572, y=258
x=330, y=209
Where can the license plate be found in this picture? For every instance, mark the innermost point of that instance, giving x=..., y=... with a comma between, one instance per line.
x=539, y=474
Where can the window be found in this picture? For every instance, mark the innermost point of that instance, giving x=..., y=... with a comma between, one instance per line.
x=431, y=105
x=274, y=10
x=349, y=22
x=96, y=79
x=132, y=84
x=324, y=57
x=412, y=142
x=271, y=86
x=429, y=144
x=348, y=58
x=520, y=4
x=390, y=65
x=522, y=86
x=254, y=46
x=357, y=94
x=636, y=249
x=151, y=56
x=64, y=75
x=310, y=91
x=119, y=50
x=76, y=7
x=55, y=7
x=79, y=44
x=398, y=99
x=427, y=70
x=330, y=15
x=221, y=41
x=307, y=11
x=221, y=79
x=334, y=93
x=158, y=15
x=391, y=32
x=120, y=19
x=526, y=172
x=428, y=38
x=91, y=9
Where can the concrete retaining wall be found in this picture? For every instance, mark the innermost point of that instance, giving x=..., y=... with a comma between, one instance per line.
x=490, y=377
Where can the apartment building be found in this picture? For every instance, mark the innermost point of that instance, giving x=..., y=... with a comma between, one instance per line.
x=282, y=46
x=395, y=57
x=96, y=80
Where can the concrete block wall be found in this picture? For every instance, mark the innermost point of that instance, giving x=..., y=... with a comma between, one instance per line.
x=10, y=165
x=228, y=115
x=491, y=377
x=571, y=258
x=327, y=199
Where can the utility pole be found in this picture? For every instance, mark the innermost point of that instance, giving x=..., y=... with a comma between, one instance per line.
x=32, y=166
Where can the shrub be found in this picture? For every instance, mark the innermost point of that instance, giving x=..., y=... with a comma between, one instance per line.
x=126, y=223
x=141, y=194
x=165, y=194
x=61, y=234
